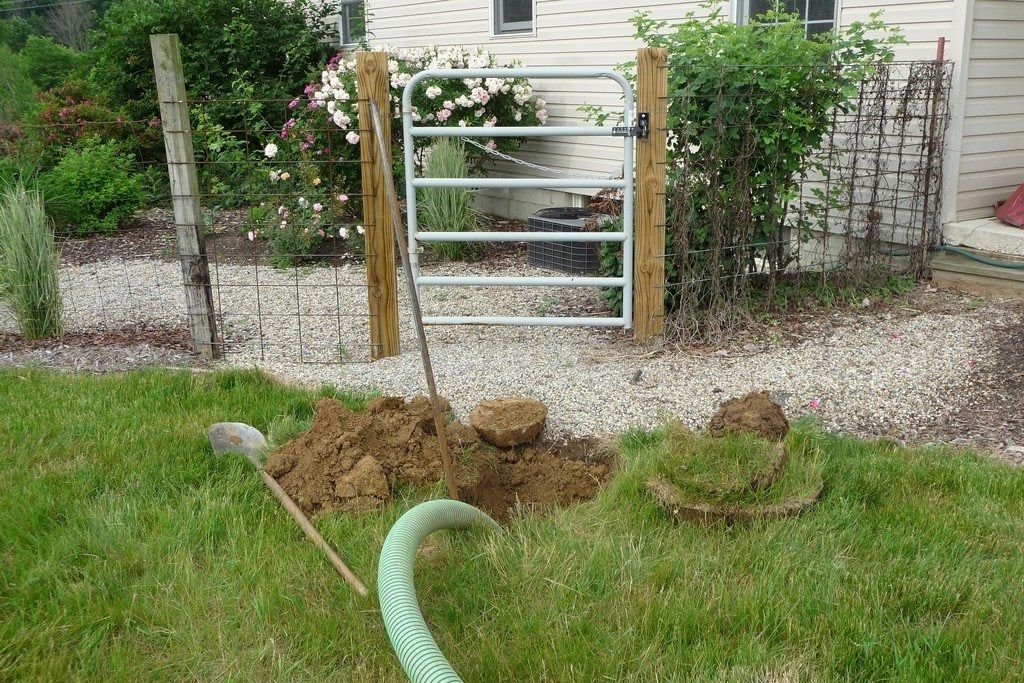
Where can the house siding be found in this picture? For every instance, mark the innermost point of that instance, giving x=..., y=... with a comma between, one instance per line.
x=597, y=33
x=992, y=144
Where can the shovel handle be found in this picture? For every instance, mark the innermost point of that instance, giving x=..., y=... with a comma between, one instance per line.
x=307, y=527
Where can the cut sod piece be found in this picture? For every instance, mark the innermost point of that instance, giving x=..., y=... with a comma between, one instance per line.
x=734, y=479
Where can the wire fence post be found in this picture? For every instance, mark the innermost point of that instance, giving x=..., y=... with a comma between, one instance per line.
x=181, y=167
x=373, y=84
x=649, y=272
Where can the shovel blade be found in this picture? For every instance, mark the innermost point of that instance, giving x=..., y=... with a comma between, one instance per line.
x=237, y=437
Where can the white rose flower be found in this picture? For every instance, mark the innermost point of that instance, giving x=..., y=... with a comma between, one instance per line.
x=270, y=150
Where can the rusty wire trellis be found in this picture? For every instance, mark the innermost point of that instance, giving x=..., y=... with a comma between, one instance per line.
x=863, y=206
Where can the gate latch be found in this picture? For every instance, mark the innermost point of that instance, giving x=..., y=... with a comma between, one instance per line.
x=641, y=130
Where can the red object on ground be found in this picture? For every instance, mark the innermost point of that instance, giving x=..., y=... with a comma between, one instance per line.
x=1012, y=210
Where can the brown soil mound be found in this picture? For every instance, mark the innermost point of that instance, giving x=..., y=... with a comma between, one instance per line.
x=755, y=413
x=353, y=461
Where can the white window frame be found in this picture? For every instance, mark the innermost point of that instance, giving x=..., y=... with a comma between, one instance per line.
x=513, y=29
x=344, y=20
x=741, y=10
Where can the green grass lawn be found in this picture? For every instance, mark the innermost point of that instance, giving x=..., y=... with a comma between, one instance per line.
x=127, y=551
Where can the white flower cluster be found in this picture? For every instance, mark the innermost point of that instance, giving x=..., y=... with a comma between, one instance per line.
x=336, y=91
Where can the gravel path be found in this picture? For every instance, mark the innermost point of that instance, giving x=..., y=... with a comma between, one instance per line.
x=891, y=374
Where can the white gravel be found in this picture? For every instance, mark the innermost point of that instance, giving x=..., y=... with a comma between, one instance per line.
x=879, y=374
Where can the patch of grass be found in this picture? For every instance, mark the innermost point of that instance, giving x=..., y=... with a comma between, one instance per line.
x=127, y=551
x=806, y=292
x=720, y=470
x=28, y=262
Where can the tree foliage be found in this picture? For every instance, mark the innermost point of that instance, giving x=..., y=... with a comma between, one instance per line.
x=269, y=44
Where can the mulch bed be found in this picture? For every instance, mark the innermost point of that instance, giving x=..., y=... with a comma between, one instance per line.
x=990, y=414
x=97, y=351
x=152, y=234
x=119, y=338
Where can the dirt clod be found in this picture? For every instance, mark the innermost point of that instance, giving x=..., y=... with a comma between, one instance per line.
x=509, y=422
x=352, y=461
x=754, y=413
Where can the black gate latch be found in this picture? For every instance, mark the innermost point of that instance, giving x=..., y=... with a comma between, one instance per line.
x=641, y=130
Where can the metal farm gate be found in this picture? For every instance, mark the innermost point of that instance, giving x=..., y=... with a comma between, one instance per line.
x=625, y=184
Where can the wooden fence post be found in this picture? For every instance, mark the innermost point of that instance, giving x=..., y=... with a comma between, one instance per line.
x=649, y=235
x=181, y=167
x=373, y=83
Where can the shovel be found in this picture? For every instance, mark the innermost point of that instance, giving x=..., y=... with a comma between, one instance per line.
x=238, y=437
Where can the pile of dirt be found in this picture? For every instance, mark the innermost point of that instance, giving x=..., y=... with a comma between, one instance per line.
x=754, y=413
x=353, y=461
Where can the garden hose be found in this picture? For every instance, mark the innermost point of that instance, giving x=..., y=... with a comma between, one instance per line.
x=415, y=647
x=998, y=263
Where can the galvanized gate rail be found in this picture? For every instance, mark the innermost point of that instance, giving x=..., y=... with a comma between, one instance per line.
x=412, y=184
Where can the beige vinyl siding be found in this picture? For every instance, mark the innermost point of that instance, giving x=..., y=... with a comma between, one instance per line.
x=992, y=146
x=597, y=33
x=567, y=33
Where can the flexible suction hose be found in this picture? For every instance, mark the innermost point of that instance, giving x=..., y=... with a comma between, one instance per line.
x=415, y=647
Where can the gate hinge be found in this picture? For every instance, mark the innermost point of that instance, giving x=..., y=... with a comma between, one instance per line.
x=641, y=130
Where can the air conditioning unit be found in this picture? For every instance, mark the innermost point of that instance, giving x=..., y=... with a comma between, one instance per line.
x=578, y=258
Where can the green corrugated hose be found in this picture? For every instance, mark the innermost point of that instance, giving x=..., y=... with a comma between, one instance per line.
x=417, y=652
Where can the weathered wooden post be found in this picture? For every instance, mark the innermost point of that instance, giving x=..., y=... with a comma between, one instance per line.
x=373, y=83
x=181, y=167
x=649, y=236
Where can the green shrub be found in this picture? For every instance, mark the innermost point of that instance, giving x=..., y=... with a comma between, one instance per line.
x=448, y=209
x=93, y=188
x=750, y=105
x=75, y=102
x=28, y=262
x=50, y=64
x=17, y=92
x=268, y=43
x=14, y=32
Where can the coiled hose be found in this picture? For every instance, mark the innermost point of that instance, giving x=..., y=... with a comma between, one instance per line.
x=419, y=655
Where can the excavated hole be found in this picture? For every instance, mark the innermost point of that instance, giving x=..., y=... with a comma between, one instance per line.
x=539, y=476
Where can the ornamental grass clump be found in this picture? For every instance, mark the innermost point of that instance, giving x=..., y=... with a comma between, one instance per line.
x=28, y=263
x=448, y=209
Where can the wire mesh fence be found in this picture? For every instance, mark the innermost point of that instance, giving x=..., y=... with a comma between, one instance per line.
x=284, y=239
x=288, y=275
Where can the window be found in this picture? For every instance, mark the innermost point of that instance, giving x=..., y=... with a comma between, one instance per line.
x=513, y=16
x=352, y=21
x=818, y=15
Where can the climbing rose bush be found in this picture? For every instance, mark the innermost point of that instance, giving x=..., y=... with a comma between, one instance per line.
x=312, y=162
